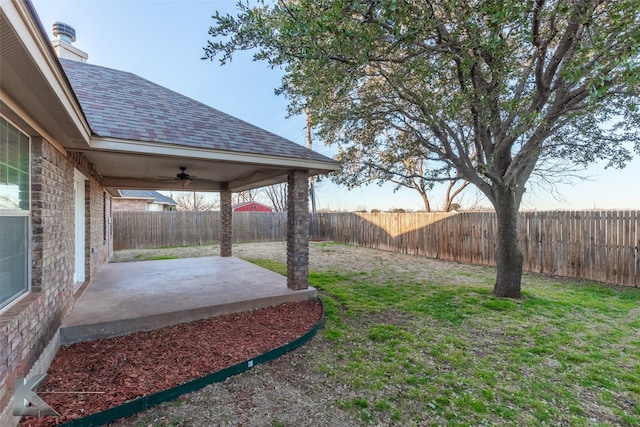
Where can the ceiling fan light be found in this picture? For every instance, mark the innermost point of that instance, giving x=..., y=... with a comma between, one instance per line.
x=185, y=181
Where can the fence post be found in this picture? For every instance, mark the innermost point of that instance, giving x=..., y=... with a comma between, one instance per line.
x=603, y=245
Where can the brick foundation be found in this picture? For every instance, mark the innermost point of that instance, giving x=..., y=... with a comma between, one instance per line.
x=28, y=326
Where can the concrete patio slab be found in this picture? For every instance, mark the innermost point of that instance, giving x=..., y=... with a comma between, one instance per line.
x=138, y=296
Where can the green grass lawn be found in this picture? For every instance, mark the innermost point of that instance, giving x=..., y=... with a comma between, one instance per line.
x=447, y=352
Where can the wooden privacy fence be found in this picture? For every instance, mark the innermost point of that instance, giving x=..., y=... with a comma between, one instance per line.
x=595, y=245
x=164, y=229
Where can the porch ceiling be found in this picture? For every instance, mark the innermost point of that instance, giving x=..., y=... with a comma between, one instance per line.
x=131, y=170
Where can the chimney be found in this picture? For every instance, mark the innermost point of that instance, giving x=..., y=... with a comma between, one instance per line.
x=64, y=36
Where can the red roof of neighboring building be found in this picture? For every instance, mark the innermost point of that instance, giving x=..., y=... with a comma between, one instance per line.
x=251, y=207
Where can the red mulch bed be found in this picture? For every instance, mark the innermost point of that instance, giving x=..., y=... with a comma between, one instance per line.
x=132, y=366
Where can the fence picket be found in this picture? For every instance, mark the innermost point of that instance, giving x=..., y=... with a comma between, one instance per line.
x=595, y=245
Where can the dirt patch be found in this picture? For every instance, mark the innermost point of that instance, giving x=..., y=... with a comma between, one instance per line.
x=292, y=390
x=117, y=370
x=322, y=384
x=298, y=388
x=288, y=391
x=322, y=257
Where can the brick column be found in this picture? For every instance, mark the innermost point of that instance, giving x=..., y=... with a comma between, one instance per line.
x=298, y=230
x=225, y=223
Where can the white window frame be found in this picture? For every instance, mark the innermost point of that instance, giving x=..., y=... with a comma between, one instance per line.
x=21, y=213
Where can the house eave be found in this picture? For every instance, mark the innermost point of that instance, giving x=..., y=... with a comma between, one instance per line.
x=30, y=64
x=150, y=148
x=145, y=199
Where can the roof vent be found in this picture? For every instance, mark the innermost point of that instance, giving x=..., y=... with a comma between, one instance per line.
x=64, y=32
x=64, y=35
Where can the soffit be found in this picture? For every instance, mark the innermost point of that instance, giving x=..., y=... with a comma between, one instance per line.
x=30, y=88
x=118, y=170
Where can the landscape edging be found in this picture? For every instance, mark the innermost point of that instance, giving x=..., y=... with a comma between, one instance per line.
x=143, y=403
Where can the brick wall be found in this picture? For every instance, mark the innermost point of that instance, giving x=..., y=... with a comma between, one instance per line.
x=129, y=205
x=28, y=326
x=97, y=242
x=226, y=224
x=97, y=214
x=298, y=230
x=108, y=210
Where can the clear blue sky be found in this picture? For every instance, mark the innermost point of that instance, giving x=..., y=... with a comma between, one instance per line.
x=162, y=41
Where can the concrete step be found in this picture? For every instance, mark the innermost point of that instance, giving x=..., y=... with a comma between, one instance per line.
x=124, y=298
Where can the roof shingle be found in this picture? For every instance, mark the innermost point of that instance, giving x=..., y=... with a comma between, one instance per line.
x=119, y=104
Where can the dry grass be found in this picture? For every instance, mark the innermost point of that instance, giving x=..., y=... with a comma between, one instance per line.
x=413, y=341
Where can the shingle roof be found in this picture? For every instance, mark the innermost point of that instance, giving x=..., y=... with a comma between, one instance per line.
x=123, y=105
x=160, y=198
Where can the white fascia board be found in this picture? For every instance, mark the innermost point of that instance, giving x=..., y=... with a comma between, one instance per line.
x=141, y=184
x=146, y=199
x=161, y=149
x=28, y=29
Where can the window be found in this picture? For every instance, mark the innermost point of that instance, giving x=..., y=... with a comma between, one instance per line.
x=15, y=212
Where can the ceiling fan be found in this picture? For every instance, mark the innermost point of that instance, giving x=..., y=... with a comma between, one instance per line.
x=184, y=178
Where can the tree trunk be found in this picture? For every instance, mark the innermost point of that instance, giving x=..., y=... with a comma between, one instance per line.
x=425, y=200
x=508, y=253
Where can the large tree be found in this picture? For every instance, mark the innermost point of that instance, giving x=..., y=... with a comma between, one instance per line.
x=194, y=201
x=488, y=89
x=245, y=196
x=277, y=196
x=364, y=165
